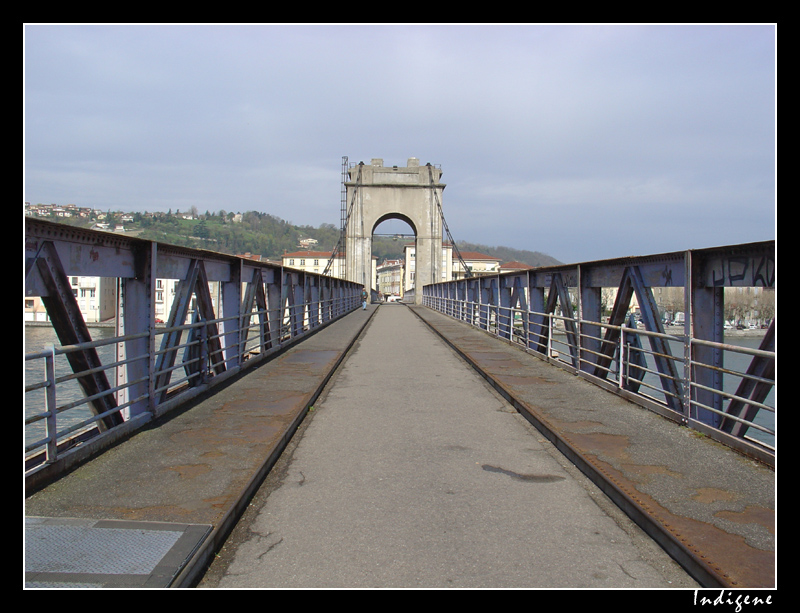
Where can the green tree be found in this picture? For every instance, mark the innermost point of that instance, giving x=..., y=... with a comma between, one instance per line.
x=200, y=230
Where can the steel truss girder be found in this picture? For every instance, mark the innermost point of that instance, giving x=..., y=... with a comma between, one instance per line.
x=634, y=358
x=311, y=299
x=70, y=327
x=702, y=273
x=137, y=265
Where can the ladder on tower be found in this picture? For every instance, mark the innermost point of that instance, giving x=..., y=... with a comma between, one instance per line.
x=344, y=216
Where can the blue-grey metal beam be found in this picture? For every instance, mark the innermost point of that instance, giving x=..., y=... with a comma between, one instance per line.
x=135, y=322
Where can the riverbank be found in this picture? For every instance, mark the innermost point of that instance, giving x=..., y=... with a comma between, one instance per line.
x=748, y=333
x=678, y=331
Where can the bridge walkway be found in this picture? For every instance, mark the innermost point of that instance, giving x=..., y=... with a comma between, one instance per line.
x=413, y=472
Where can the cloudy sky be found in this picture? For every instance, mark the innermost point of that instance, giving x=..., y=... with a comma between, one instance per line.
x=584, y=142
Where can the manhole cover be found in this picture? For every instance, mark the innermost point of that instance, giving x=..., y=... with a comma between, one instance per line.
x=91, y=553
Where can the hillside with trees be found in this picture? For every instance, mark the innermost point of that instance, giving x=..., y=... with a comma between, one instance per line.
x=260, y=234
x=508, y=254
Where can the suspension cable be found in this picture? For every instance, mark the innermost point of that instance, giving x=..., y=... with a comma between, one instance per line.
x=467, y=271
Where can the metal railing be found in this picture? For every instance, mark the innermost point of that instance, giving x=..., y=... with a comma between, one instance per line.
x=61, y=417
x=81, y=397
x=663, y=370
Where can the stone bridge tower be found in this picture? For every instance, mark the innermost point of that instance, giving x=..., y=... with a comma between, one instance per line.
x=411, y=193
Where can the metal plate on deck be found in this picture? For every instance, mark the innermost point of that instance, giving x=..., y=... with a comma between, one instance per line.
x=90, y=553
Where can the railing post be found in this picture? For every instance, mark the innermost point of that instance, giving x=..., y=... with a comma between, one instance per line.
x=229, y=311
x=590, y=334
x=50, y=405
x=505, y=318
x=688, y=327
x=135, y=317
x=624, y=358
x=707, y=318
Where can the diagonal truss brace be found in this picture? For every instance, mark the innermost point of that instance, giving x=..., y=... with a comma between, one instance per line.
x=255, y=295
x=559, y=294
x=71, y=329
x=755, y=390
x=516, y=300
x=195, y=283
x=632, y=282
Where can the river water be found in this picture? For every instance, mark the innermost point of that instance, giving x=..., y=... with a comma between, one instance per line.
x=733, y=360
x=38, y=338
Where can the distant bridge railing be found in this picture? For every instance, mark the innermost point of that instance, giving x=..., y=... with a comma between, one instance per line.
x=227, y=314
x=722, y=386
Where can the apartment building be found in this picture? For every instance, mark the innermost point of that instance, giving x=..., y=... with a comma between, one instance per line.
x=96, y=297
x=97, y=300
x=34, y=310
x=477, y=263
x=390, y=278
x=316, y=261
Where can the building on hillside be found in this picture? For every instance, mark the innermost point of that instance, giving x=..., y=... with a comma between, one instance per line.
x=316, y=261
x=308, y=243
x=257, y=257
x=477, y=263
x=253, y=257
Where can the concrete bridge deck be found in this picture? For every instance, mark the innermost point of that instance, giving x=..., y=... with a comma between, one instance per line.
x=413, y=472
